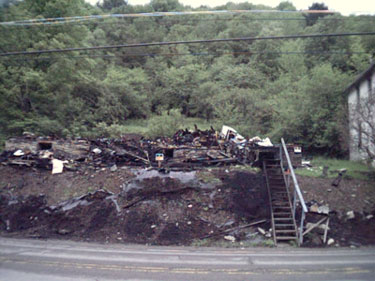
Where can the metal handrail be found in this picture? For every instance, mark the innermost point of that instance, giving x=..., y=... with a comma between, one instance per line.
x=290, y=166
x=297, y=190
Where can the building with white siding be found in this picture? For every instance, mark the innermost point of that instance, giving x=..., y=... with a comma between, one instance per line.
x=361, y=105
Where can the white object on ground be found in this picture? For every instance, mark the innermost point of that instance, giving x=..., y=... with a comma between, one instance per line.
x=58, y=166
x=261, y=231
x=350, y=215
x=97, y=150
x=19, y=152
x=330, y=241
x=230, y=238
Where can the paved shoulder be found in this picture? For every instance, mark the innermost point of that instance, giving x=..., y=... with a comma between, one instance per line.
x=65, y=260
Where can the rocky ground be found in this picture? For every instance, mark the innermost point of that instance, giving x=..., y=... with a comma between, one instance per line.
x=351, y=206
x=205, y=207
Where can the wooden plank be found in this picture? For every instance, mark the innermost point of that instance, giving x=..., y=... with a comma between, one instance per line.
x=325, y=232
x=314, y=226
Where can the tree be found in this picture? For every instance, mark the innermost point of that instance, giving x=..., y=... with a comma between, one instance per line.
x=311, y=18
x=166, y=5
x=286, y=6
x=110, y=4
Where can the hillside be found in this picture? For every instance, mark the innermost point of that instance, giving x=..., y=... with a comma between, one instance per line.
x=289, y=88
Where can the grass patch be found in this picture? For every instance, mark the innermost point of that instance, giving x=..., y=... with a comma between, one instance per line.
x=355, y=170
x=207, y=176
x=145, y=128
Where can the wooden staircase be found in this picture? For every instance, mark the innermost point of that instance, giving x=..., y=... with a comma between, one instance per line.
x=284, y=226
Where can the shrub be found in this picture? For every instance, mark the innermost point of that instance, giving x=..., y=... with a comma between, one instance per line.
x=165, y=125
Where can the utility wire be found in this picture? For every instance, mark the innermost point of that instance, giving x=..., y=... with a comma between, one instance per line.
x=135, y=45
x=155, y=14
x=184, y=21
x=246, y=52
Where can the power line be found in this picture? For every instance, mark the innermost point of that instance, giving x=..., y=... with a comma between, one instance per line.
x=135, y=45
x=154, y=14
x=245, y=52
x=186, y=21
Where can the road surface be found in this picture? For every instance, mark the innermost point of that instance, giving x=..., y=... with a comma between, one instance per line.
x=55, y=260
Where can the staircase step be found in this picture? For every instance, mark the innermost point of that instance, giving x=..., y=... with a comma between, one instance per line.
x=279, y=189
x=286, y=237
x=280, y=199
x=275, y=205
x=280, y=203
x=275, y=195
x=284, y=225
x=282, y=207
x=282, y=213
x=283, y=219
x=286, y=231
x=277, y=183
x=280, y=193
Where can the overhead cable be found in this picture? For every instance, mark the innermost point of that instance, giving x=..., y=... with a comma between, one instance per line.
x=154, y=14
x=245, y=52
x=203, y=41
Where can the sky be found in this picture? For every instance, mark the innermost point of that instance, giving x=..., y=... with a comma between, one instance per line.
x=345, y=7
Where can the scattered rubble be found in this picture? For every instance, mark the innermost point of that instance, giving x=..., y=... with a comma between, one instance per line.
x=330, y=241
x=230, y=238
x=350, y=215
x=133, y=191
x=261, y=231
x=186, y=150
x=337, y=180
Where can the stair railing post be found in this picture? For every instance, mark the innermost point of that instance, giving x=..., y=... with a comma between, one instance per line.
x=281, y=157
x=301, y=227
x=294, y=202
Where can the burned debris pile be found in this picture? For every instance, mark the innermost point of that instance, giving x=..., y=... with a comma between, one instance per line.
x=185, y=150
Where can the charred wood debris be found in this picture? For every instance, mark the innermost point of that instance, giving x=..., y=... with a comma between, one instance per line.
x=185, y=150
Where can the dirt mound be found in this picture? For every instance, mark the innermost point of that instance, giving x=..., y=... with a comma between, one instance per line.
x=156, y=210
x=248, y=196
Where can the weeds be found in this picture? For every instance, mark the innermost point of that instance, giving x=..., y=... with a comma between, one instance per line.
x=355, y=170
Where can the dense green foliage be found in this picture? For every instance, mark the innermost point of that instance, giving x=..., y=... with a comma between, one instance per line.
x=289, y=88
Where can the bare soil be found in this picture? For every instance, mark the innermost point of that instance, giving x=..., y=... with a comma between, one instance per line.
x=351, y=194
x=131, y=205
x=158, y=210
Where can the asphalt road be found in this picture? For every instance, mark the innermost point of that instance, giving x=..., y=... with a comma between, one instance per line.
x=55, y=260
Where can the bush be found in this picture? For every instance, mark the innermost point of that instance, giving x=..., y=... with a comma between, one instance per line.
x=165, y=125
x=38, y=125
